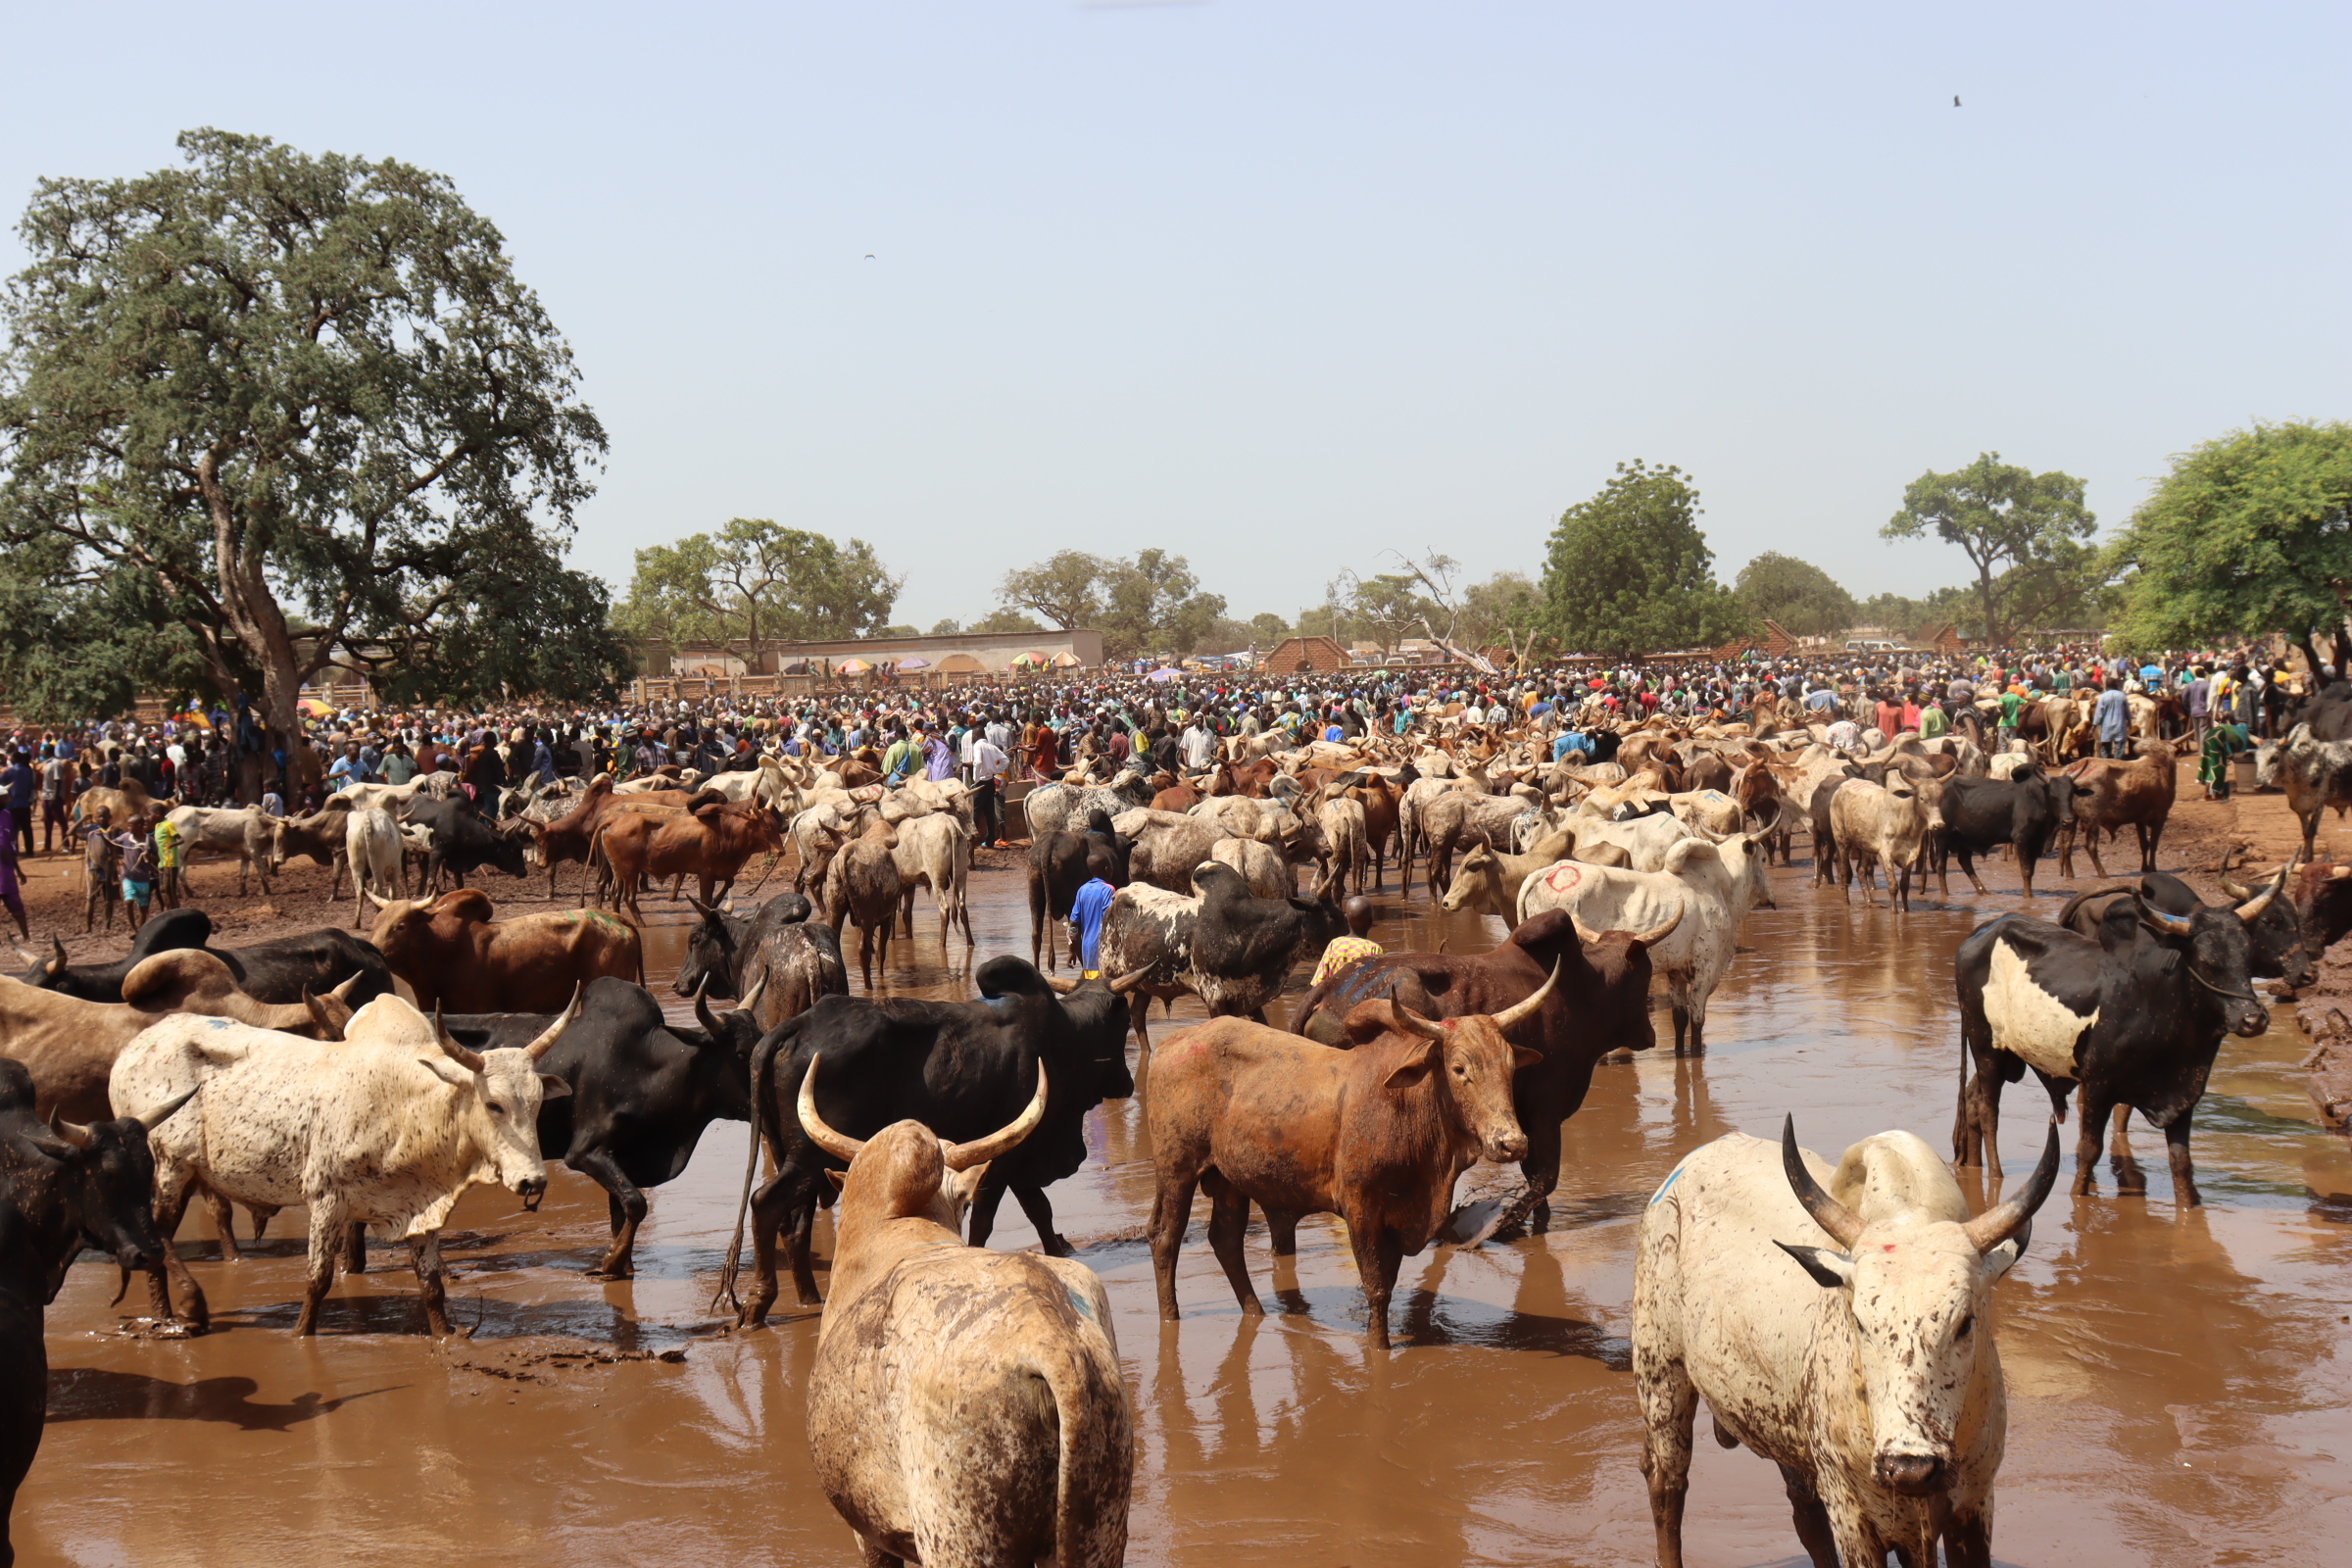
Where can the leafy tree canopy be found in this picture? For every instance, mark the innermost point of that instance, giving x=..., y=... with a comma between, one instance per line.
x=1007, y=620
x=1804, y=599
x=756, y=584
x=2028, y=536
x=2248, y=533
x=295, y=409
x=1150, y=602
x=1628, y=571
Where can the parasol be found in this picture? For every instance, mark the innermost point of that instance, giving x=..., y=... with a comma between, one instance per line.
x=914, y=661
x=1065, y=659
x=853, y=667
x=1163, y=673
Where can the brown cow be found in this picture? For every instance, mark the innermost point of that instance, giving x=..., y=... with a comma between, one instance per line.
x=1377, y=1135
x=709, y=841
x=1601, y=1004
x=2138, y=793
x=70, y=1045
x=927, y=1343
x=1171, y=794
x=453, y=956
x=862, y=887
x=1252, y=778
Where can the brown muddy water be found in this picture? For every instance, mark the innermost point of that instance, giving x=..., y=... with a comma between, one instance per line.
x=2176, y=1381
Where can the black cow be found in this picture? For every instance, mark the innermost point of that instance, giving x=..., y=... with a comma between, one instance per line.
x=642, y=1092
x=2133, y=1016
x=463, y=841
x=278, y=971
x=2026, y=810
x=950, y=1065
x=1224, y=945
x=2323, y=899
x=2274, y=928
x=62, y=1189
x=789, y=957
x=1059, y=864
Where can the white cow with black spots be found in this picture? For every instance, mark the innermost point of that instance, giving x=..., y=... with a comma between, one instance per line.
x=386, y=1127
x=1874, y=1382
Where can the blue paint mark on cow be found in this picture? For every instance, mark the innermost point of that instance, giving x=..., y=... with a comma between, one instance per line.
x=1672, y=1177
x=1086, y=1309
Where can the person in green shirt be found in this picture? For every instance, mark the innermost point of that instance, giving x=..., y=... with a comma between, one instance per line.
x=2012, y=709
x=2223, y=742
x=901, y=758
x=1933, y=721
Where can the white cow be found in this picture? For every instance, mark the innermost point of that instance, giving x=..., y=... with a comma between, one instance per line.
x=935, y=851
x=1874, y=1385
x=372, y=844
x=1880, y=827
x=1712, y=887
x=247, y=832
x=1643, y=839
x=386, y=1127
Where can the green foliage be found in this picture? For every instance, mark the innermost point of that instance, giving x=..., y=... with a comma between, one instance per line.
x=2248, y=533
x=78, y=646
x=754, y=584
x=1804, y=599
x=1907, y=617
x=1007, y=620
x=948, y=627
x=2028, y=536
x=1267, y=628
x=270, y=385
x=1149, y=604
x=1504, y=608
x=1385, y=608
x=1628, y=571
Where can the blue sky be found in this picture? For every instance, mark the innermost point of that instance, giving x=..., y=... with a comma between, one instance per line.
x=1281, y=285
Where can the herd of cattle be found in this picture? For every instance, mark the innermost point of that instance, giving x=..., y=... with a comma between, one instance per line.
x=294, y=1072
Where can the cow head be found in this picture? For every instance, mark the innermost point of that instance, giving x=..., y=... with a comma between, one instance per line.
x=2212, y=945
x=1477, y=883
x=711, y=950
x=194, y=980
x=737, y=1031
x=107, y=1170
x=2274, y=931
x=1098, y=1010
x=507, y=1087
x=905, y=1171
x=1917, y=1291
x=1466, y=1061
x=43, y=974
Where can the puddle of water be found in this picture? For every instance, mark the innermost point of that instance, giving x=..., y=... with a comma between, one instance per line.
x=2175, y=1378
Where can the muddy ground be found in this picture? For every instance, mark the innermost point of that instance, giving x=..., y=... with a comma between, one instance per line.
x=2176, y=1378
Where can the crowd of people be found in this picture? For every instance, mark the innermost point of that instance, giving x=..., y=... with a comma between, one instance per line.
x=992, y=734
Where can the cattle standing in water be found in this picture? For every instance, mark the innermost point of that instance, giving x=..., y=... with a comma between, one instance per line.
x=1226, y=946
x=389, y=1127
x=642, y=1092
x=1377, y=1134
x=1875, y=1386
x=958, y=1067
x=1599, y=1003
x=790, y=958
x=2277, y=946
x=966, y=1407
x=1059, y=864
x=63, y=1187
x=453, y=954
x=2024, y=811
x=2134, y=1017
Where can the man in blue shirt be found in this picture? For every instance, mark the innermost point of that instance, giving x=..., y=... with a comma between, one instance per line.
x=2113, y=713
x=1087, y=910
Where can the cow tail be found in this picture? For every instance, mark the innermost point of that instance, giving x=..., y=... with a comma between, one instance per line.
x=1095, y=1451
x=763, y=1058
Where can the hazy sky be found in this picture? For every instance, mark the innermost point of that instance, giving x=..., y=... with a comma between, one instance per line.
x=1281, y=285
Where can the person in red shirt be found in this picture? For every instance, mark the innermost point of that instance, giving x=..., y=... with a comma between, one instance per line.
x=1890, y=715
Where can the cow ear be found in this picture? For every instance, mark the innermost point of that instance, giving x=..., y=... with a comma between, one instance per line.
x=1413, y=1068
x=551, y=1087
x=1523, y=1058
x=836, y=1177
x=1829, y=1268
x=2001, y=1258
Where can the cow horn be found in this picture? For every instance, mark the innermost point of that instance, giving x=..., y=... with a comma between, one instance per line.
x=72, y=1132
x=321, y=1020
x=2251, y=911
x=342, y=993
x=702, y=1005
x=1842, y=1222
x=471, y=1061
x=1063, y=985
x=555, y=1031
x=1411, y=1023
x=963, y=1156
x=1659, y=933
x=57, y=944
x=824, y=1137
x=707, y=912
x=23, y=952
x=1129, y=981
x=1999, y=1223
x=369, y=894
x=2171, y=925
x=1519, y=1011
x=2234, y=889
x=1584, y=934
x=751, y=998
x=164, y=1112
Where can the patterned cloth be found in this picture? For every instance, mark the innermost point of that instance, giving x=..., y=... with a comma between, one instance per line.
x=1343, y=952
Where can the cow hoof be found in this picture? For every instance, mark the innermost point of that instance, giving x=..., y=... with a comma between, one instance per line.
x=1057, y=1247
x=621, y=1272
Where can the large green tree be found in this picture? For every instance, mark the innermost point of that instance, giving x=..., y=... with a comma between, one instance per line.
x=2028, y=536
x=1146, y=603
x=1804, y=599
x=2248, y=533
x=300, y=409
x=754, y=584
x=1628, y=571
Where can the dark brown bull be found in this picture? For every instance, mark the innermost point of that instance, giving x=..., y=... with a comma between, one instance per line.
x=1377, y=1135
x=453, y=954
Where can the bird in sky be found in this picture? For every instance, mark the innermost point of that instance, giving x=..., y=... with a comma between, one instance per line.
x=1955, y=100
x=869, y=255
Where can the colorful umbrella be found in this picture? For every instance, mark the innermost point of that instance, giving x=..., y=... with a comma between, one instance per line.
x=1163, y=673
x=914, y=661
x=853, y=667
